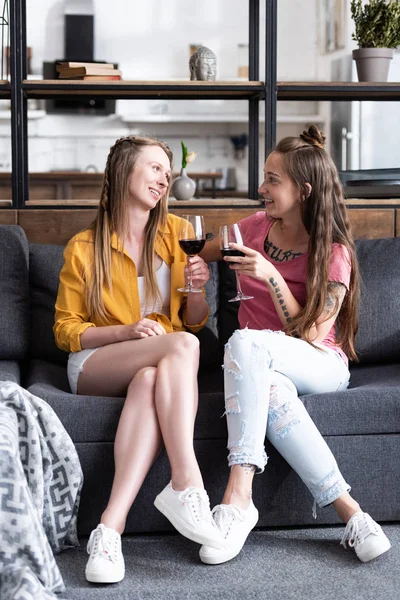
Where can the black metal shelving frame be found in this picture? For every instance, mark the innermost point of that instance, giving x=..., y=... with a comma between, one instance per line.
x=254, y=91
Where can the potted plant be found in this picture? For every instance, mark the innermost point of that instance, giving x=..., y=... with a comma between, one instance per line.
x=183, y=187
x=377, y=32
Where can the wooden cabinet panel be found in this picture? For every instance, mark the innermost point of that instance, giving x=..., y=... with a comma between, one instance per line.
x=43, y=192
x=397, y=222
x=8, y=217
x=57, y=226
x=54, y=226
x=85, y=192
x=214, y=217
x=372, y=223
x=5, y=192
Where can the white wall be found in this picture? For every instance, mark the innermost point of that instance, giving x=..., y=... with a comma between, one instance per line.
x=150, y=40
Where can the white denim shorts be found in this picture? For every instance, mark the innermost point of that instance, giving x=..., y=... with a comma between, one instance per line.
x=76, y=360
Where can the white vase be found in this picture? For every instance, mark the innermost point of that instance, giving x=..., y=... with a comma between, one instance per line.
x=183, y=187
x=373, y=63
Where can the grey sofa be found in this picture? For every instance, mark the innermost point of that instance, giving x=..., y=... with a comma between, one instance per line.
x=361, y=424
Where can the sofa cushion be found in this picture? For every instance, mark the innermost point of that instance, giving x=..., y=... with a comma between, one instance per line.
x=371, y=406
x=14, y=293
x=10, y=371
x=378, y=339
x=95, y=419
x=208, y=335
x=45, y=262
x=228, y=311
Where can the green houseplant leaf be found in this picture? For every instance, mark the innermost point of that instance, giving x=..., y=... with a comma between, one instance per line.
x=377, y=23
x=184, y=155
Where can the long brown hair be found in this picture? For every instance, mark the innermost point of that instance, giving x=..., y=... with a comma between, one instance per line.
x=325, y=218
x=112, y=217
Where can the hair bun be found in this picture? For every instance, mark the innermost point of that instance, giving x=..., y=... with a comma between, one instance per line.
x=313, y=136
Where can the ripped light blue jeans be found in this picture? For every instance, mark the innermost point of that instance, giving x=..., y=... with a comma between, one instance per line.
x=265, y=372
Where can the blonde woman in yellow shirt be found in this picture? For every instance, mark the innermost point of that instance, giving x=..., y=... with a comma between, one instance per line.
x=121, y=318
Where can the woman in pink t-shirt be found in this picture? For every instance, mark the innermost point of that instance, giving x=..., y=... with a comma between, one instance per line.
x=296, y=337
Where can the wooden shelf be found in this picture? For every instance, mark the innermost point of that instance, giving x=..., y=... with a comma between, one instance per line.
x=337, y=90
x=241, y=90
x=145, y=89
x=233, y=202
x=373, y=202
x=194, y=203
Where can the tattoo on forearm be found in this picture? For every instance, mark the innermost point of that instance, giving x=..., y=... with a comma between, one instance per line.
x=335, y=294
x=282, y=304
x=248, y=469
x=277, y=254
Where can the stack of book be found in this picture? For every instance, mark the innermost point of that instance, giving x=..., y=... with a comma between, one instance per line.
x=88, y=71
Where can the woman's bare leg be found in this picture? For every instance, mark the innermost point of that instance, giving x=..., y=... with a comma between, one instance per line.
x=346, y=506
x=176, y=405
x=110, y=370
x=137, y=444
x=176, y=357
x=239, y=487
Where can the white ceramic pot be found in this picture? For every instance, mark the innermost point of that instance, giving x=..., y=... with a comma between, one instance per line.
x=373, y=63
x=183, y=187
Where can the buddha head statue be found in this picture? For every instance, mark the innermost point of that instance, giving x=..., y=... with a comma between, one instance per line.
x=203, y=65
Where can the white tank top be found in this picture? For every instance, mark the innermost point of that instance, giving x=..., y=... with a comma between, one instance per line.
x=163, y=275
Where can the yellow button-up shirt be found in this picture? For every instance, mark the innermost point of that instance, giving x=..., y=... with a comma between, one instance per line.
x=122, y=302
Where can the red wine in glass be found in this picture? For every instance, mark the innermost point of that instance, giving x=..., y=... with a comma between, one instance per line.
x=192, y=247
x=231, y=234
x=231, y=252
x=192, y=238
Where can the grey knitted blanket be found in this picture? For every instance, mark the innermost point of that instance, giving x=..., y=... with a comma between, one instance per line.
x=40, y=485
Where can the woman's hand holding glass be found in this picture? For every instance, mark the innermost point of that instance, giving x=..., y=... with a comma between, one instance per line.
x=231, y=246
x=197, y=272
x=192, y=237
x=252, y=264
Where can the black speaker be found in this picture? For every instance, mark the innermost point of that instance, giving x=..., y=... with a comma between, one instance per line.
x=75, y=105
x=79, y=38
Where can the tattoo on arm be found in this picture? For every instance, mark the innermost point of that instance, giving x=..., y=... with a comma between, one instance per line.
x=335, y=294
x=248, y=469
x=282, y=304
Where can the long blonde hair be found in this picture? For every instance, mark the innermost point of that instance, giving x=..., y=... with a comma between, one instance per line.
x=112, y=217
x=325, y=218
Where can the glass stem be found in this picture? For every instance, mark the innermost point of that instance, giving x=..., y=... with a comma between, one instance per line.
x=190, y=283
x=238, y=286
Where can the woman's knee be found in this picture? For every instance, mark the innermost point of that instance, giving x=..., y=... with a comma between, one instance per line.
x=185, y=344
x=145, y=379
x=239, y=346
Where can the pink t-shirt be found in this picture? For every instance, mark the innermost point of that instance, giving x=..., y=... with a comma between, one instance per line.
x=260, y=313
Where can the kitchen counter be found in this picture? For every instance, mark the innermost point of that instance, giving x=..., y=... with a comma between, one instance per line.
x=80, y=185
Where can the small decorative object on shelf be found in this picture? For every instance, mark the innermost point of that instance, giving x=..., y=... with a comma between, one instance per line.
x=183, y=187
x=243, y=64
x=377, y=33
x=88, y=71
x=203, y=65
x=240, y=143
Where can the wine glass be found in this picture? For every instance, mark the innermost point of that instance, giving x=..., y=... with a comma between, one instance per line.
x=227, y=235
x=192, y=237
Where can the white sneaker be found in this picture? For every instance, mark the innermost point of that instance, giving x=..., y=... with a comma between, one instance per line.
x=189, y=512
x=106, y=563
x=235, y=525
x=365, y=536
